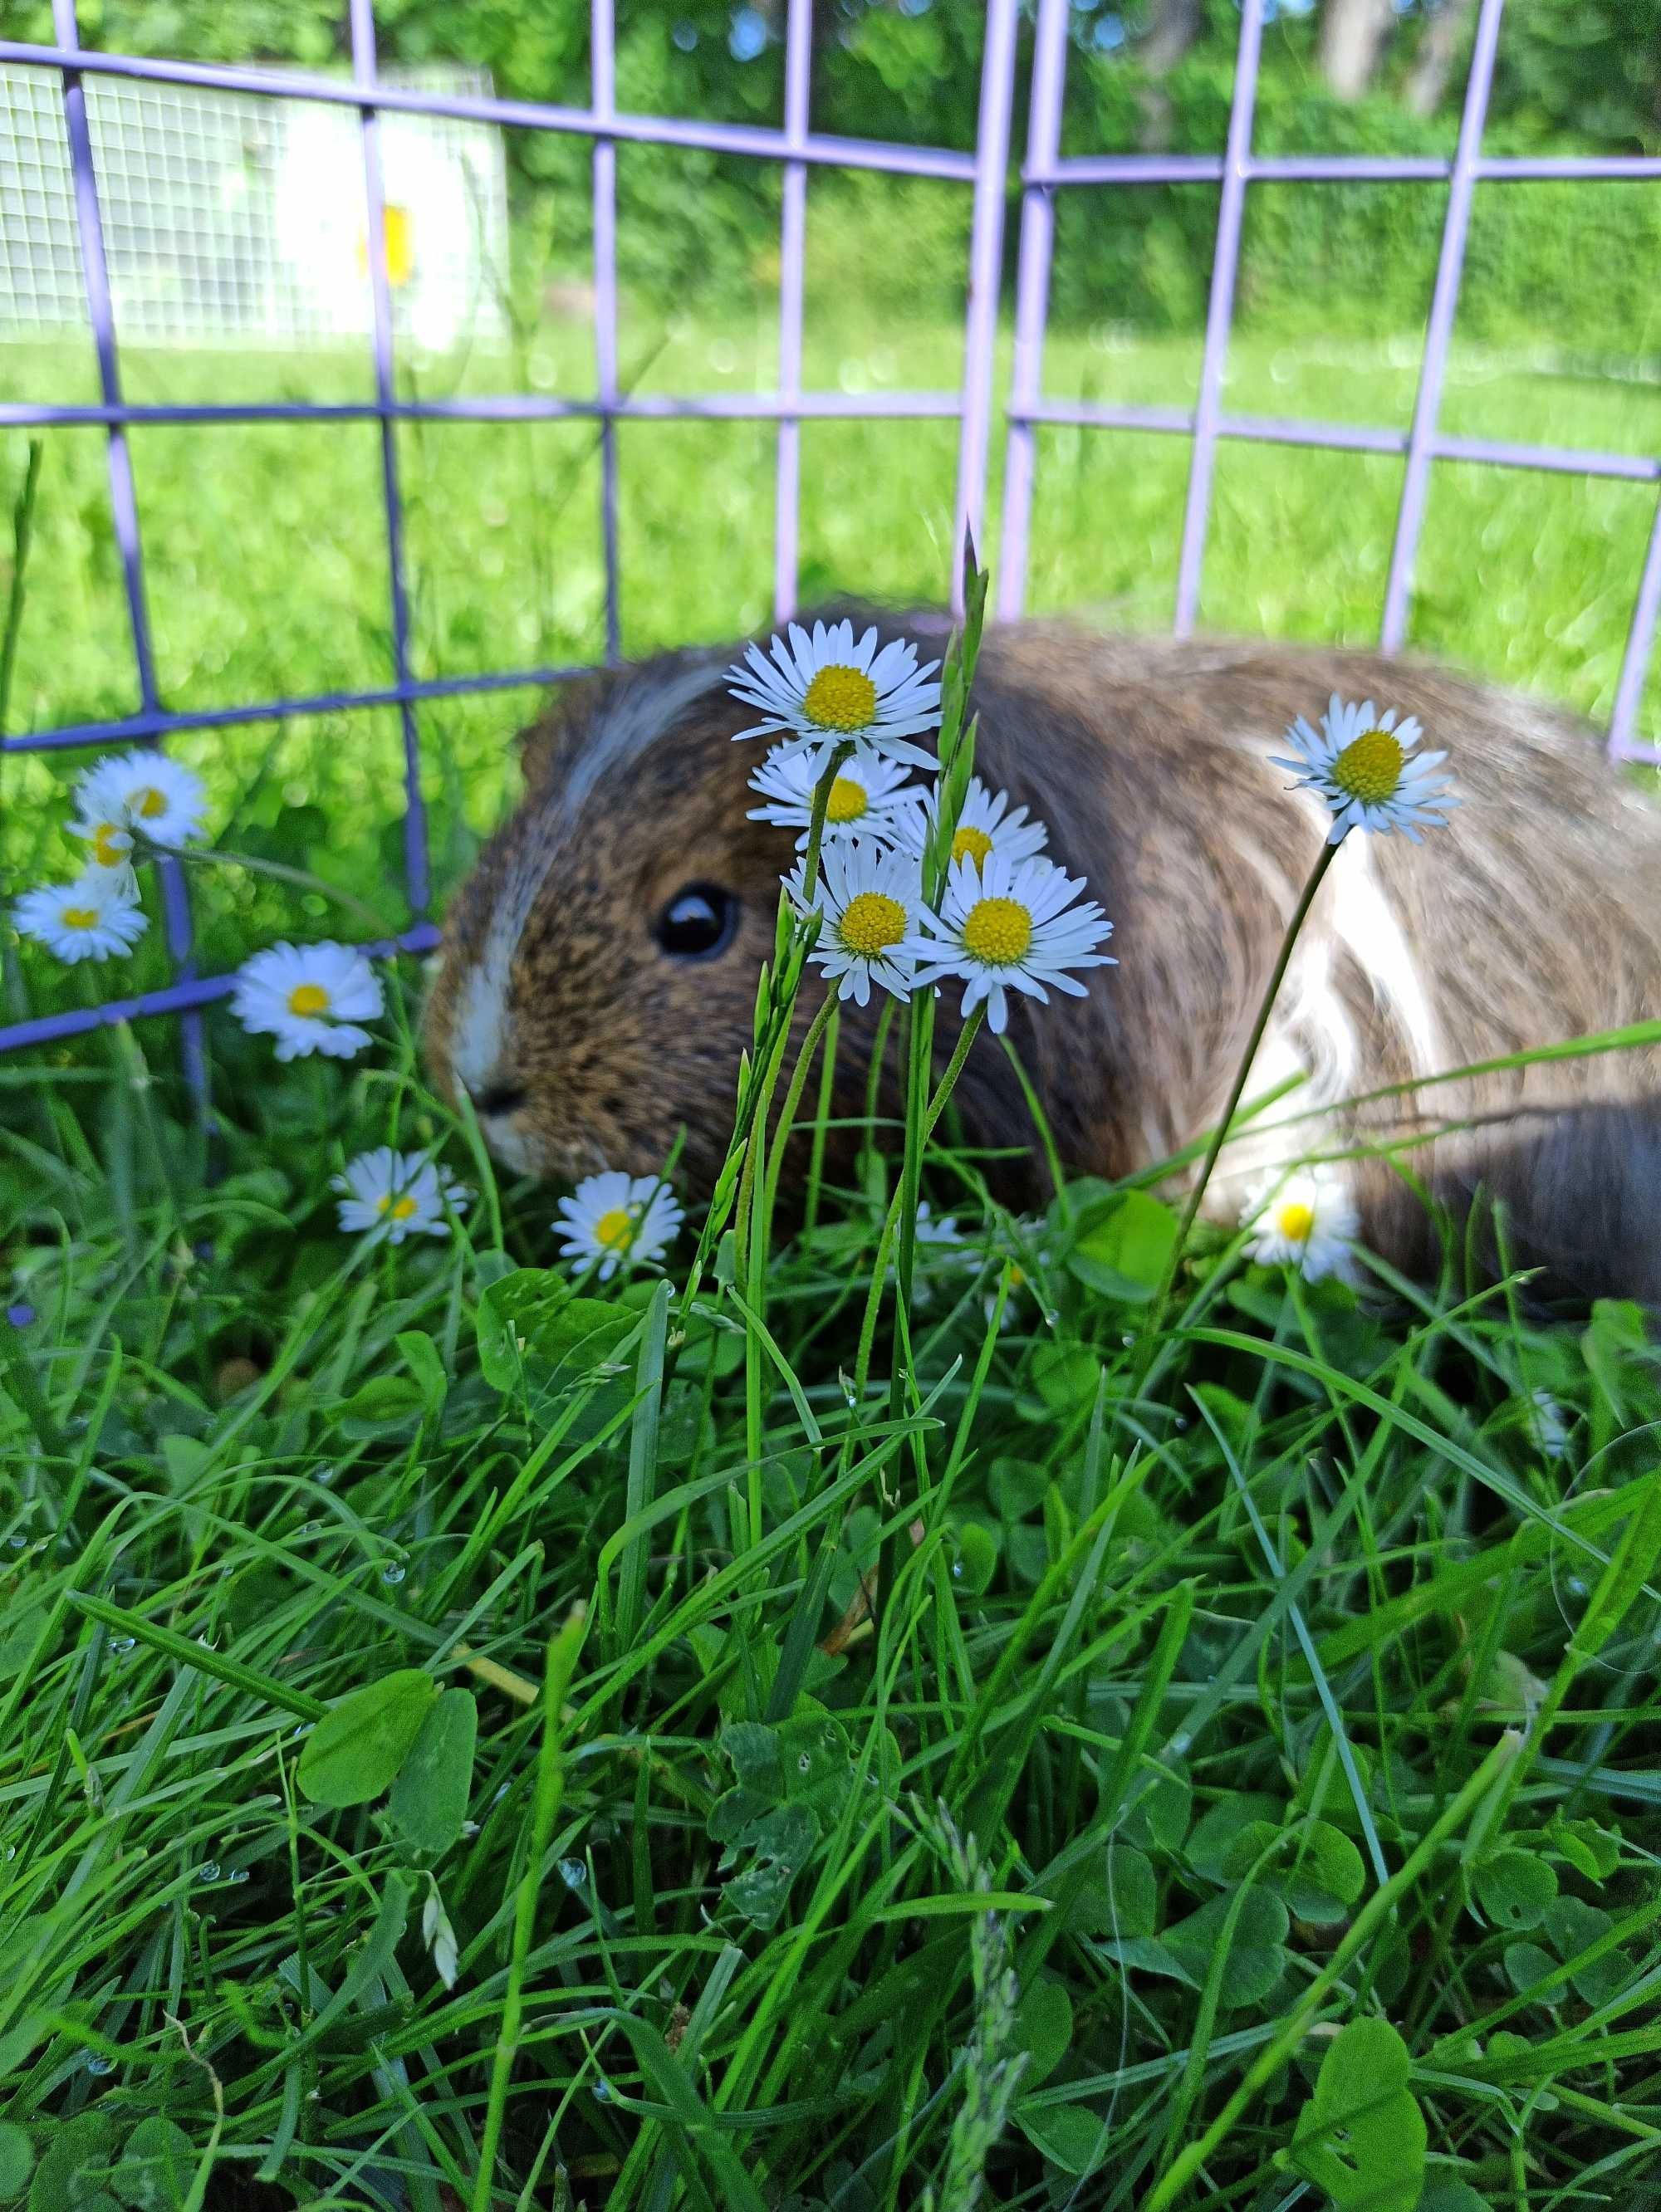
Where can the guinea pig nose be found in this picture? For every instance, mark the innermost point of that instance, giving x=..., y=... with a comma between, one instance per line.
x=497, y=1099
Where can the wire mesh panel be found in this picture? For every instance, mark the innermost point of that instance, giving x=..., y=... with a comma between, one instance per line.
x=230, y=220
x=105, y=162
x=1047, y=171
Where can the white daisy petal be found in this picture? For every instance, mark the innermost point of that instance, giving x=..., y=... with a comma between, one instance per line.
x=96, y=915
x=831, y=689
x=614, y=1220
x=396, y=1194
x=1307, y=1221
x=1008, y=924
x=141, y=791
x=1362, y=766
x=872, y=901
x=932, y=1231
x=987, y=825
x=311, y=998
x=870, y=798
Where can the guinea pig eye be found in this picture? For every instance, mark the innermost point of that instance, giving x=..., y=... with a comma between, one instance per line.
x=698, y=922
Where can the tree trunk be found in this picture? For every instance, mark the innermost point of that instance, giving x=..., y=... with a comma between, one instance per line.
x=1352, y=34
x=1439, y=49
x=1175, y=25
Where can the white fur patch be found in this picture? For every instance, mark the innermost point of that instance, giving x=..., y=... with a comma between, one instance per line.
x=481, y=1022
x=1363, y=922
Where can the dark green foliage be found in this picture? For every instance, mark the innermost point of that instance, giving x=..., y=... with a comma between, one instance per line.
x=702, y=228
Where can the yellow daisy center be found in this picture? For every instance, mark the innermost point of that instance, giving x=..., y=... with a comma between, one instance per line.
x=110, y=844
x=998, y=931
x=848, y=800
x=149, y=802
x=399, y=1208
x=871, y=924
x=1296, y=1218
x=308, y=998
x=1370, y=766
x=841, y=698
x=80, y=917
x=615, y=1230
x=971, y=844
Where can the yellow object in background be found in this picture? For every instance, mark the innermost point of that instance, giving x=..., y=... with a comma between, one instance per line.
x=398, y=235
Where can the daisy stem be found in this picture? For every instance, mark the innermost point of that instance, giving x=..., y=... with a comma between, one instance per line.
x=1219, y=1135
x=921, y=1113
x=816, y=1158
x=833, y=767
x=891, y=1221
x=211, y=855
x=810, y=1044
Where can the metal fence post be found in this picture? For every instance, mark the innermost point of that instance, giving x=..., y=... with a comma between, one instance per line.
x=124, y=502
x=1438, y=330
x=1043, y=139
x=415, y=880
x=985, y=270
x=1219, y=314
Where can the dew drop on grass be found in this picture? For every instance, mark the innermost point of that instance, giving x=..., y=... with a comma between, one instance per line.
x=393, y=1574
x=804, y=1764
x=603, y=2090
x=1128, y=1338
x=122, y=1643
x=957, y=1571
x=208, y=1871
x=96, y=2063
x=17, y=1540
x=239, y=1874
x=573, y=1873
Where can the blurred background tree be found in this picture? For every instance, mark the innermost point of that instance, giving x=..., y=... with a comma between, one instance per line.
x=1358, y=75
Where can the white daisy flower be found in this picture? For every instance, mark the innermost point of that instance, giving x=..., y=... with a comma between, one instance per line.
x=97, y=915
x=140, y=791
x=1305, y=1221
x=871, y=902
x=396, y=1194
x=1361, y=763
x=310, y=998
x=617, y=1220
x=987, y=825
x=831, y=689
x=931, y=1232
x=1009, y=925
x=869, y=797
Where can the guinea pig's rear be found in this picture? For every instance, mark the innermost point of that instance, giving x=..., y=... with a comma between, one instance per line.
x=599, y=968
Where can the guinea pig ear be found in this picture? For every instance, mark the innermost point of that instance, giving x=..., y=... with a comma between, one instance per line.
x=541, y=746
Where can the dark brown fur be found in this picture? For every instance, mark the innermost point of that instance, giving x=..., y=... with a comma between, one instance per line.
x=1534, y=917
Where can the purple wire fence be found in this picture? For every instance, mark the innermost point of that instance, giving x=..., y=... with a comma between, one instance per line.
x=798, y=148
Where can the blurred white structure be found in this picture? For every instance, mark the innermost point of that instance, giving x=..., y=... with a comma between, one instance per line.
x=237, y=220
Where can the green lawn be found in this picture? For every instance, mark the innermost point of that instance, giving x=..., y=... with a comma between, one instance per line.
x=265, y=548
x=445, y=1759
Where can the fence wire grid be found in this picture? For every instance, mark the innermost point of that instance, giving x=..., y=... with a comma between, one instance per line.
x=798, y=148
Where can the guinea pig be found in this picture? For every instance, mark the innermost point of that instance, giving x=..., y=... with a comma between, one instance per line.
x=599, y=971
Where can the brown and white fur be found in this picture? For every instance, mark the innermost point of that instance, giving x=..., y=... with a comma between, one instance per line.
x=1534, y=917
